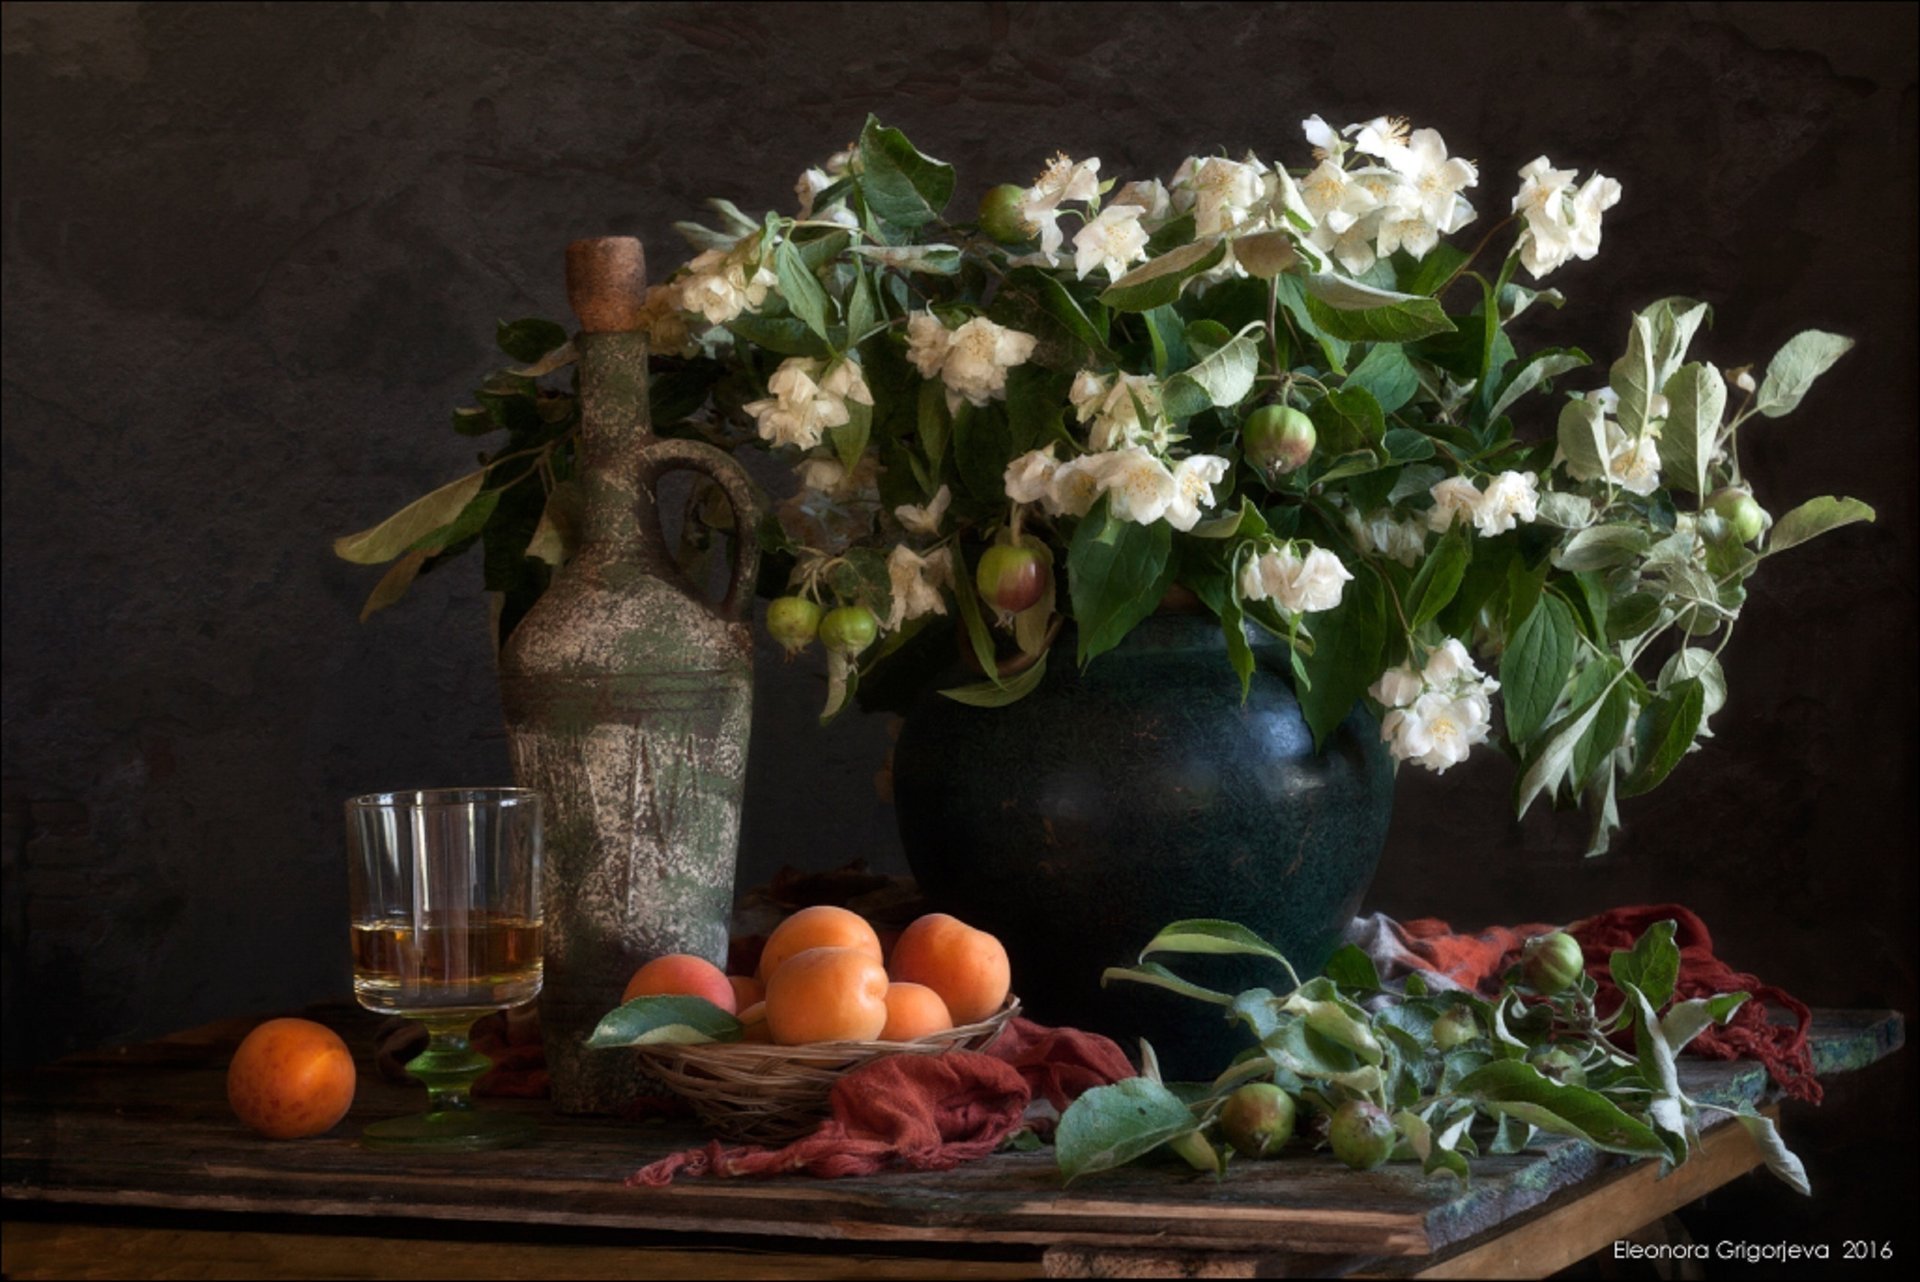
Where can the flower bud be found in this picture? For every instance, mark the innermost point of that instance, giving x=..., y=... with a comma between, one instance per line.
x=793, y=621
x=1277, y=439
x=849, y=629
x=1257, y=1119
x=1361, y=1134
x=1010, y=578
x=1550, y=964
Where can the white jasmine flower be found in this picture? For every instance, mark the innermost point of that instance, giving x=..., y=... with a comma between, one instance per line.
x=1138, y=486
x=1744, y=381
x=664, y=318
x=978, y=357
x=1334, y=198
x=1561, y=223
x=1193, y=479
x=1511, y=498
x=821, y=475
x=927, y=343
x=1326, y=140
x=1383, y=136
x=800, y=408
x=1219, y=192
x=719, y=285
x=1300, y=584
x=1111, y=405
x=1455, y=499
x=1029, y=478
x=1074, y=486
x=1437, y=731
x=1253, y=583
x=916, y=582
x=1149, y=197
x=1632, y=463
x=924, y=520
x=1397, y=687
x=1063, y=180
x=1448, y=664
x=1427, y=204
x=1113, y=239
x=1597, y=195
x=1404, y=541
x=810, y=184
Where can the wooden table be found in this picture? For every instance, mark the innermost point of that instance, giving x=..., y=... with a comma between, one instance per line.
x=126, y=1163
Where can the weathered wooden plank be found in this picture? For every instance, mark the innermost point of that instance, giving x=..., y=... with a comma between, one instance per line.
x=148, y=1126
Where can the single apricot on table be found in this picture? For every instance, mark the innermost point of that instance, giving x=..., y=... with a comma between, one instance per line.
x=827, y=995
x=914, y=1011
x=967, y=967
x=822, y=926
x=291, y=1078
x=682, y=975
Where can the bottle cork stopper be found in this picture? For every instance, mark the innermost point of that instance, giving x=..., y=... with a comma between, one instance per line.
x=607, y=283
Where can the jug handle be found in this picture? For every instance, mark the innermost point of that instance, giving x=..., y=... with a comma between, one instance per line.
x=669, y=454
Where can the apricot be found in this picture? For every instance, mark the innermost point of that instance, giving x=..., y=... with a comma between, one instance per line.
x=291, y=1078
x=967, y=967
x=753, y=1024
x=822, y=926
x=914, y=1011
x=746, y=991
x=682, y=975
x=827, y=995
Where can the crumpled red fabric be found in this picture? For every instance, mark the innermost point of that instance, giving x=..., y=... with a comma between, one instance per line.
x=922, y=1112
x=1477, y=961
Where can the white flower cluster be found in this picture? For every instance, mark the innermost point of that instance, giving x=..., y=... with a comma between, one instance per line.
x=1406, y=197
x=1632, y=462
x=1562, y=221
x=1438, y=713
x=916, y=583
x=1299, y=584
x=1403, y=540
x=1138, y=485
x=972, y=360
x=1510, y=499
x=1110, y=240
x=804, y=403
x=1111, y=404
x=722, y=283
x=816, y=180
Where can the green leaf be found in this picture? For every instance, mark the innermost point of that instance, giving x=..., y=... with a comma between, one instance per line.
x=1210, y=936
x=1432, y=1156
x=1233, y=626
x=1335, y=1019
x=928, y=260
x=1387, y=374
x=1698, y=396
x=1304, y=1051
x=1346, y=654
x=1160, y=280
x=1794, y=367
x=1583, y=436
x=1687, y=1020
x=1665, y=731
x=850, y=438
x=1222, y=379
x=1555, y=757
x=1601, y=546
x=863, y=312
x=1603, y=736
x=1779, y=1158
x=394, y=583
x=1815, y=517
x=1439, y=578
x=934, y=425
x=986, y=694
x=1534, y=669
x=472, y=519
x=1348, y=419
x=1515, y=1088
x=899, y=184
x=1541, y=366
x=410, y=524
x=1154, y=975
x=1652, y=965
x=649, y=1021
x=982, y=444
x=1350, y=967
x=1265, y=254
x=1110, y=1126
x=1360, y=313
x=801, y=288
x=1674, y=322
x=529, y=339
x=1291, y=293
x=1427, y=274
x=970, y=615
x=1117, y=572
x=1633, y=378
x=786, y=335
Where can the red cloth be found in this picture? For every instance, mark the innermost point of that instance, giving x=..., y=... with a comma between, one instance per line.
x=1478, y=961
x=924, y=1112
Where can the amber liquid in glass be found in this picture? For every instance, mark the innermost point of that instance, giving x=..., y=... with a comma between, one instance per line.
x=467, y=961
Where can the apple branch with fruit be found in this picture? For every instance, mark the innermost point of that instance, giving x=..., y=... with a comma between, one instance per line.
x=1283, y=390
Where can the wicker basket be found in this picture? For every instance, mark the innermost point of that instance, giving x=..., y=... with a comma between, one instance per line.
x=771, y=1094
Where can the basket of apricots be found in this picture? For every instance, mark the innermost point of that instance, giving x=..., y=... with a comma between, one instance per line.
x=757, y=1056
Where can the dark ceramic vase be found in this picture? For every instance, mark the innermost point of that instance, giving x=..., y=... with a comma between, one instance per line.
x=1075, y=823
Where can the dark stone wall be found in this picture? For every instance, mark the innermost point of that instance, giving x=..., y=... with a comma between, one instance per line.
x=253, y=253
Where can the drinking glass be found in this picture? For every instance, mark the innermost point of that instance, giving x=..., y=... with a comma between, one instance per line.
x=445, y=890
